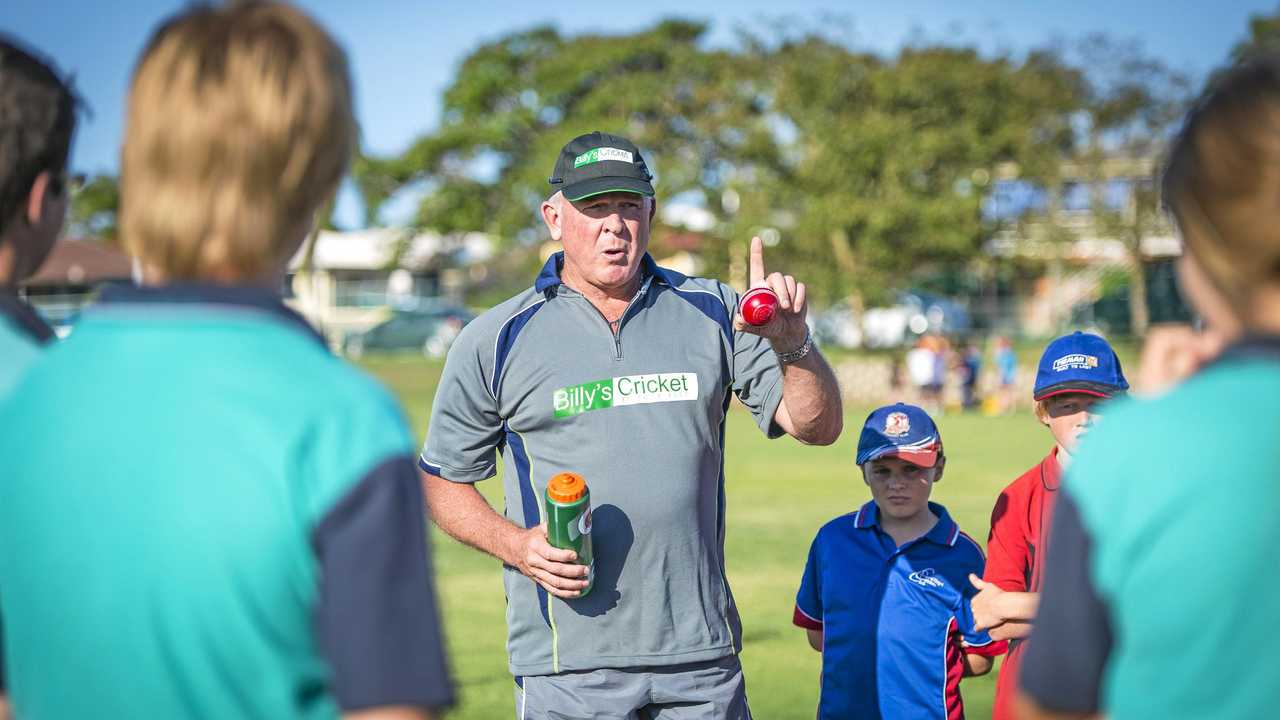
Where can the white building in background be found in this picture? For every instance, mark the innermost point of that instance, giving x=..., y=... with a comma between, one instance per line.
x=358, y=277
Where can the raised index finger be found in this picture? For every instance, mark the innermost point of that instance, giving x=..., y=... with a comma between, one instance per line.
x=756, y=263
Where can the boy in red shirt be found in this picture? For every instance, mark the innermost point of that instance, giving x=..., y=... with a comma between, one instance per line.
x=1076, y=372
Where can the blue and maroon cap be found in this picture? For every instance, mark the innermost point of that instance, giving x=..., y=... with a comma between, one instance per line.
x=903, y=431
x=1079, y=362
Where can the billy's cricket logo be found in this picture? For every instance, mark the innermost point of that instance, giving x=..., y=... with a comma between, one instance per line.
x=1075, y=361
x=604, y=153
x=625, y=390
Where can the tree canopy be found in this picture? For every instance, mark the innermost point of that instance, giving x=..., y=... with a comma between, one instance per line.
x=863, y=167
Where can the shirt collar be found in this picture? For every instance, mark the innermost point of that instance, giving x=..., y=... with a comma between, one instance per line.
x=1253, y=347
x=944, y=532
x=25, y=318
x=549, y=276
x=192, y=294
x=1051, y=471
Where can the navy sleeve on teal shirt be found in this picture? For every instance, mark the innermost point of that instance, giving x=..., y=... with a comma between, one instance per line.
x=377, y=619
x=1064, y=661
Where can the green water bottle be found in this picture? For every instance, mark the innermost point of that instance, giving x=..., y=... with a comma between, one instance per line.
x=569, y=519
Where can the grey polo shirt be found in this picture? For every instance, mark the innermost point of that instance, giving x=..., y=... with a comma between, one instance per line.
x=542, y=379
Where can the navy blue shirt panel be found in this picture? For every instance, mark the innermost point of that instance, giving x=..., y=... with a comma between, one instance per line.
x=229, y=297
x=377, y=619
x=1062, y=670
x=25, y=318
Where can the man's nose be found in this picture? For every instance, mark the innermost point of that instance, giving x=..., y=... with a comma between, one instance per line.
x=614, y=224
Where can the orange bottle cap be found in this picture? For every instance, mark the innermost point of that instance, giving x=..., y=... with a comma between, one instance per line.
x=566, y=487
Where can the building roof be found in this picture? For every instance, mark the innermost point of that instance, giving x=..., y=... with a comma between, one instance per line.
x=388, y=248
x=80, y=261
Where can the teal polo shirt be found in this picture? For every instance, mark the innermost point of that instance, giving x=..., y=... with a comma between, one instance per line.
x=1161, y=598
x=22, y=334
x=207, y=515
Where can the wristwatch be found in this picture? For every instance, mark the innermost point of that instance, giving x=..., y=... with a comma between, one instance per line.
x=793, y=355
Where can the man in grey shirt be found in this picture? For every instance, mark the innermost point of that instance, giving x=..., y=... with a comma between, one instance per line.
x=621, y=371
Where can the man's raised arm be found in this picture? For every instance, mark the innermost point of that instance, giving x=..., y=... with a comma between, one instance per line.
x=811, y=410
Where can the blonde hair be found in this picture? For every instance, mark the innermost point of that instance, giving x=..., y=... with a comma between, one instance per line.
x=239, y=128
x=1222, y=181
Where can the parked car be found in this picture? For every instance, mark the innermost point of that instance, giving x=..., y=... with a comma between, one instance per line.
x=915, y=313
x=836, y=326
x=429, y=330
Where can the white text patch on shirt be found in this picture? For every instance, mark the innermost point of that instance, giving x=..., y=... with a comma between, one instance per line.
x=625, y=390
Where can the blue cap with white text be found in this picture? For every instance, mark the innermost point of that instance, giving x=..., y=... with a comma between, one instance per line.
x=1081, y=363
x=903, y=431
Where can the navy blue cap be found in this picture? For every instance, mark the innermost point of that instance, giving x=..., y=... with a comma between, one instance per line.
x=903, y=431
x=1081, y=363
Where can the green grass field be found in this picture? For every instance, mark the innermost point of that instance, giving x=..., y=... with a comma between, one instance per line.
x=766, y=549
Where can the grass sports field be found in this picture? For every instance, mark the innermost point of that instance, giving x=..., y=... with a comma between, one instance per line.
x=766, y=549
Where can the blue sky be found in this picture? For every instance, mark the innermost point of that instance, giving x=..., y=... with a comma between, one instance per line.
x=404, y=53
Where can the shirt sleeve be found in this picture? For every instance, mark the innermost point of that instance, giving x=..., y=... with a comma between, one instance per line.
x=466, y=429
x=1007, y=560
x=757, y=380
x=808, y=612
x=377, y=621
x=1063, y=664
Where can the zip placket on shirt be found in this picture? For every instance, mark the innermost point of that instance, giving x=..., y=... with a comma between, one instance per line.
x=617, y=336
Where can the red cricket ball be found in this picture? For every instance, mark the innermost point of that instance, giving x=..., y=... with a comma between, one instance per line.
x=758, y=306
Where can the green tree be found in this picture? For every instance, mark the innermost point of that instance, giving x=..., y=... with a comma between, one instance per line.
x=517, y=100
x=892, y=157
x=1132, y=105
x=1264, y=36
x=859, y=169
x=95, y=207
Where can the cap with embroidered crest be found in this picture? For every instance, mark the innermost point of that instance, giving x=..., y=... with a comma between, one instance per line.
x=599, y=163
x=903, y=431
x=1079, y=362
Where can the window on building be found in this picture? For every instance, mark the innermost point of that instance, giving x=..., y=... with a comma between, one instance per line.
x=360, y=289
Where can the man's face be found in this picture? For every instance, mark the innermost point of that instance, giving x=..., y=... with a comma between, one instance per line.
x=605, y=237
x=1069, y=416
x=900, y=488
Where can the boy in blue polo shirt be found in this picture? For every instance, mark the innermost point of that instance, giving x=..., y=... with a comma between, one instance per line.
x=885, y=592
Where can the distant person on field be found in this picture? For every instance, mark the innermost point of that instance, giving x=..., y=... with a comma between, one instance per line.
x=885, y=593
x=37, y=119
x=970, y=371
x=1161, y=598
x=206, y=514
x=1077, y=373
x=922, y=369
x=1007, y=374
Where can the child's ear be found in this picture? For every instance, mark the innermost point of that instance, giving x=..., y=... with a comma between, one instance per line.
x=863, y=469
x=939, y=467
x=1042, y=412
